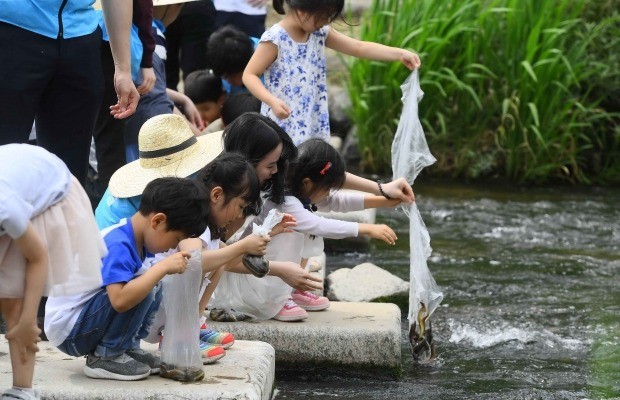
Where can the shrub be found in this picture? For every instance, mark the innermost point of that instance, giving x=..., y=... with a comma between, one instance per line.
x=513, y=88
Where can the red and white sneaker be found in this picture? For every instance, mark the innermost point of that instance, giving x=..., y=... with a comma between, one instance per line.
x=310, y=301
x=291, y=312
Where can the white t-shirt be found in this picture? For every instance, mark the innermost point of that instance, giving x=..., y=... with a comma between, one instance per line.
x=290, y=246
x=31, y=180
x=241, y=6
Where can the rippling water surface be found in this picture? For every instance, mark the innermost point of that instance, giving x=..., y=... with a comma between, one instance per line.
x=531, y=279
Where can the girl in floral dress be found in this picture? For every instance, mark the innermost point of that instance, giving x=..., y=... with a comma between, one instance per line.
x=291, y=56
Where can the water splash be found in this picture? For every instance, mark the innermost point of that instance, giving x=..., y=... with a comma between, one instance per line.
x=488, y=335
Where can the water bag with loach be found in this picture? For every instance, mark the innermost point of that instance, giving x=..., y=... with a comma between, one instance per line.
x=410, y=154
x=258, y=265
x=180, y=352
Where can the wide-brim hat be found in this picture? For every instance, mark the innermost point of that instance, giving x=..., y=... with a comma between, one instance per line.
x=167, y=147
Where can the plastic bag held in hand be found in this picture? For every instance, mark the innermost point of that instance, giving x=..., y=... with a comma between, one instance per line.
x=410, y=154
x=257, y=265
x=180, y=351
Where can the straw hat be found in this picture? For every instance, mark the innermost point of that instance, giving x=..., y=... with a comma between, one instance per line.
x=167, y=147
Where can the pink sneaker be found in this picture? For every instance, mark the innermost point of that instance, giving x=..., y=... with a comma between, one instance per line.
x=310, y=301
x=291, y=312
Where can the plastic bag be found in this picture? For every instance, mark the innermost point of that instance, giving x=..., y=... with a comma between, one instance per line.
x=258, y=265
x=180, y=351
x=410, y=154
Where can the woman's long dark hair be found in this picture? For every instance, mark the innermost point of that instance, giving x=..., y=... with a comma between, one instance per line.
x=237, y=178
x=254, y=136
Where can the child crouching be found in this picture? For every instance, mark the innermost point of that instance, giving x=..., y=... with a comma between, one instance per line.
x=108, y=323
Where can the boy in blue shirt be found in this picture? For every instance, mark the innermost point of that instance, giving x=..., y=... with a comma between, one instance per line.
x=107, y=324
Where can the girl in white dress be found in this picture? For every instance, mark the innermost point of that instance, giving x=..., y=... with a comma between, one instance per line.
x=49, y=245
x=291, y=57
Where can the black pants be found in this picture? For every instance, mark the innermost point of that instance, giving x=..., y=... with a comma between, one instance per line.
x=186, y=40
x=58, y=82
x=108, y=133
x=252, y=25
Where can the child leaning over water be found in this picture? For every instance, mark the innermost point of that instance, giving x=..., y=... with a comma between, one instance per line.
x=312, y=179
x=291, y=55
x=107, y=324
x=46, y=226
x=232, y=187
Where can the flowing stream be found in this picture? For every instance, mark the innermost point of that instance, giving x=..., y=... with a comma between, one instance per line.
x=531, y=279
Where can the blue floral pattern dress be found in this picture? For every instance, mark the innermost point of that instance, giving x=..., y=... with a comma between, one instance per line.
x=298, y=78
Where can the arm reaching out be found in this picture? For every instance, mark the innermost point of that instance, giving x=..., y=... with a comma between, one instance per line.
x=125, y=296
x=370, y=50
x=118, y=16
x=264, y=55
x=378, y=231
x=397, y=189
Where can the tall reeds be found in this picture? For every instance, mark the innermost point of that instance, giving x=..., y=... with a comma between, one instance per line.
x=513, y=88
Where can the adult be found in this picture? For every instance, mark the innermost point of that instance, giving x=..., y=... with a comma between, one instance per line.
x=51, y=71
x=247, y=15
x=186, y=41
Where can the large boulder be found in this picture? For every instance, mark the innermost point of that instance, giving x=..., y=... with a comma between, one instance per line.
x=364, y=283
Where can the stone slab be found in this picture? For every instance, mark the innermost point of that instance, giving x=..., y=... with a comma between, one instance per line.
x=347, y=334
x=246, y=372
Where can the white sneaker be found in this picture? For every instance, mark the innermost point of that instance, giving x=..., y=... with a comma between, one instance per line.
x=13, y=394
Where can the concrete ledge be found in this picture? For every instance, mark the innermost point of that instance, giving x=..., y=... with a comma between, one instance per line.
x=247, y=372
x=363, y=335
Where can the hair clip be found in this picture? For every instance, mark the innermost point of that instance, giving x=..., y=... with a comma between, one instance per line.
x=326, y=168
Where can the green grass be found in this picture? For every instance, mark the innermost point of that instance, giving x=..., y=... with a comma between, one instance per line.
x=517, y=89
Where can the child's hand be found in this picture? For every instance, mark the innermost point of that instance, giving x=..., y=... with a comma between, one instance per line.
x=280, y=109
x=382, y=232
x=399, y=189
x=148, y=80
x=410, y=59
x=393, y=202
x=288, y=221
x=176, y=263
x=256, y=244
x=26, y=336
x=297, y=277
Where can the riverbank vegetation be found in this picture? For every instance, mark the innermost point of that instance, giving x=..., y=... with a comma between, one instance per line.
x=524, y=90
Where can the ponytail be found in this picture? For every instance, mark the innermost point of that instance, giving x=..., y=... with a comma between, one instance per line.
x=278, y=5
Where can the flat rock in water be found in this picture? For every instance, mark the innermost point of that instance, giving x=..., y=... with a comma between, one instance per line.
x=354, y=335
x=365, y=282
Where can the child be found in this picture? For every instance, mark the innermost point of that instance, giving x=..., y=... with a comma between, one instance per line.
x=269, y=148
x=234, y=106
x=232, y=187
x=107, y=323
x=228, y=52
x=291, y=54
x=49, y=243
x=205, y=90
x=167, y=147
